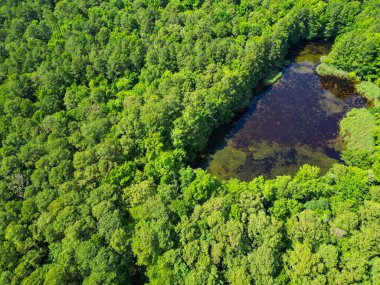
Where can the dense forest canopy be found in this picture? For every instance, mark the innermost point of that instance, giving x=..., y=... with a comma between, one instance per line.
x=104, y=103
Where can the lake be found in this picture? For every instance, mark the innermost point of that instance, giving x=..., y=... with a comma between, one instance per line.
x=291, y=123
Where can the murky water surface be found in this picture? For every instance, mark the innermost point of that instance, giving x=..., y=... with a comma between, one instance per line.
x=291, y=123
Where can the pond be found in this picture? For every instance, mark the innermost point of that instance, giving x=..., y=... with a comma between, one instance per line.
x=291, y=123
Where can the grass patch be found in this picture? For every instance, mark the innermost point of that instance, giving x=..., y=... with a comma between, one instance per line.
x=272, y=78
x=356, y=130
x=369, y=90
x=327, y=70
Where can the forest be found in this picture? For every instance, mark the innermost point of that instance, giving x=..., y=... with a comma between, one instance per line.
x=104, y=104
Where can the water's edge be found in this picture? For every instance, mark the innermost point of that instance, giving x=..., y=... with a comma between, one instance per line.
x=293, y=122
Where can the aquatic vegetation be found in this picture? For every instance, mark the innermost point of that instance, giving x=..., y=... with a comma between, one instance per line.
x=272, y=78
x=369, y=90
x=325, y=69
x=312, y=53
x=304, y=69
x=330, y=103
x=302, y=154
x=357, y=130
x=293, y=122
x=264, y=149
x=337, y=143
x=226, y=162
x=104, y=104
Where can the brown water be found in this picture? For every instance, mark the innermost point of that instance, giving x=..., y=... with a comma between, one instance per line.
x=293, y=122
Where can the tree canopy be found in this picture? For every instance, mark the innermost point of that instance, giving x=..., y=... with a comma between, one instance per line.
x=104, y=103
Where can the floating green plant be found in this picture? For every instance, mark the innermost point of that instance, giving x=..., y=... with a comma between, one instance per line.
x=225, y=162
x=272, y=78
x=302, y=155
x=330, y=104
x=304, y=69
x=264, y=149
x=312, y=53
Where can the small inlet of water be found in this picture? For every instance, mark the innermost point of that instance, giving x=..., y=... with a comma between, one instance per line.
x=293, y=122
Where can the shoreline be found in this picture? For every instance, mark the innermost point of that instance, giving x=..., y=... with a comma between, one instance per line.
x=366, y=89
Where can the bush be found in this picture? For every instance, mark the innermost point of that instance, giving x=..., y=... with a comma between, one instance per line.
x=359, y=158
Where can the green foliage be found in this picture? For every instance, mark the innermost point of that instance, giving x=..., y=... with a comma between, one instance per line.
x=357, y=50
x=358, y=157
x=369, y=90
x=121, y=175
x=325, y=69
x=200, y=189
x=102, y=104
x=356, y=129
x=272, y=78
